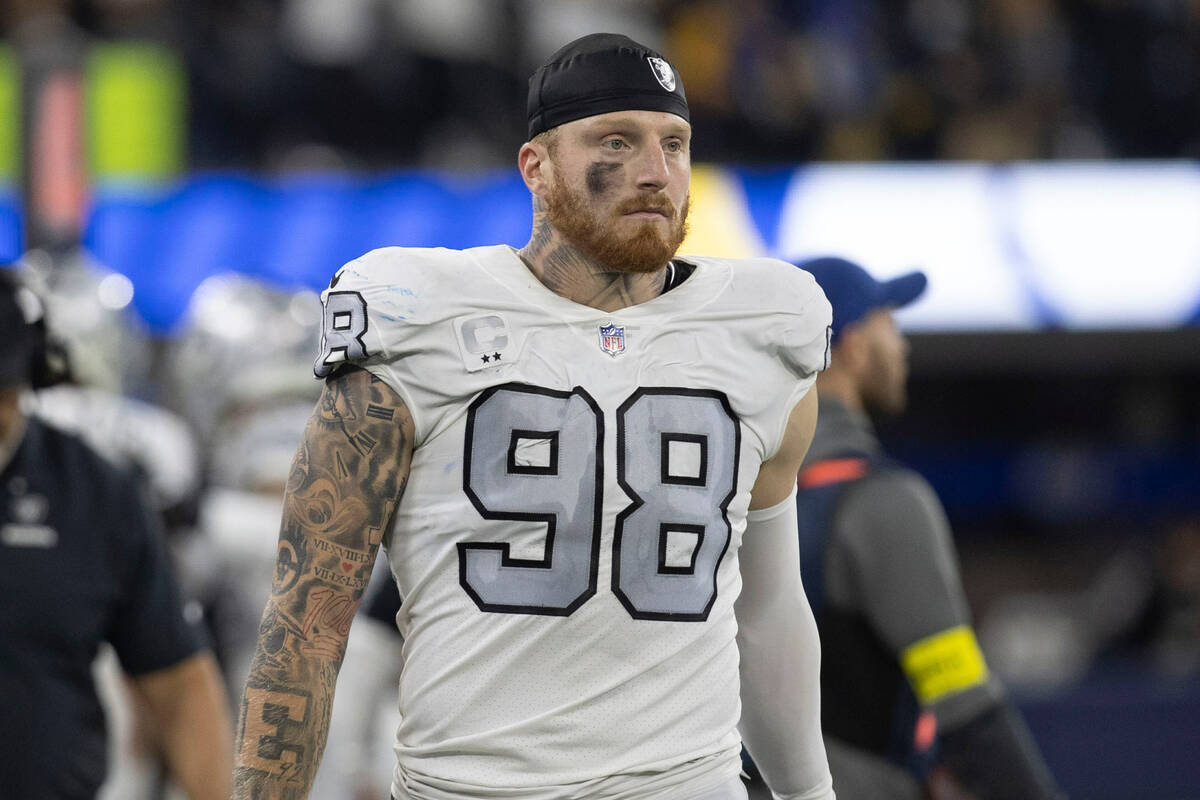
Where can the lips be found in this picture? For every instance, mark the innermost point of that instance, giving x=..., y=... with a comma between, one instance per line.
x=654, y=211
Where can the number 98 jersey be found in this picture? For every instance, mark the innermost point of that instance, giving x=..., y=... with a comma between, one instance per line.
x=567, y=543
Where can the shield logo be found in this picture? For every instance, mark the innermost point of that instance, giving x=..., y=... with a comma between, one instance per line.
x=29, y=509
x=663, y=72
x=612, y=339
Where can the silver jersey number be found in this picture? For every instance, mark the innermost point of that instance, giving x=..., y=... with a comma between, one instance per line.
x=536, y=455
x=342, y=330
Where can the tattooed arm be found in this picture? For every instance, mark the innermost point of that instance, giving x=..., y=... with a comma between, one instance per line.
x=345, y=483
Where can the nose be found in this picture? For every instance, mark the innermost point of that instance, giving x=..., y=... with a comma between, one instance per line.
x=652, y=170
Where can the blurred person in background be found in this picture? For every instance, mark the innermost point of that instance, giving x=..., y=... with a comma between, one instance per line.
x=907, y=697
x=1140, y=611
x=1164, y=605
x=157, y=448
x=239, y=373
x=569, y=543
x=101, y=352
x=84, y=563
x=108, y=346
x=239, y=370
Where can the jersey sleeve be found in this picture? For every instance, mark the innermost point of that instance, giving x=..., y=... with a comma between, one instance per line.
x=373, y=313
x=790, y=322
x=149, y=629
x=805, y=335
x=354, y=316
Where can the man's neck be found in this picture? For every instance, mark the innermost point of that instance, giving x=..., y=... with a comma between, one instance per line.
x=567, y=272
x=835, y=385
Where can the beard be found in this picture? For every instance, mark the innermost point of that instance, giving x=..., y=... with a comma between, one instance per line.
x=645, y=250
x=886, y=396
x=886, y=405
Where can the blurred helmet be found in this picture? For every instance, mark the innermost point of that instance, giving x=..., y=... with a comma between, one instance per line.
x=29, y=352
x=240, y=370
x=152, y=442
x=253, y=450
x=89, y=311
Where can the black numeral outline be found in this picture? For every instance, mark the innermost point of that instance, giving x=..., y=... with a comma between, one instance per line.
x=547, y=562
x=518, y=434
x=324, y=366
x=637, y=502
x=724, y=528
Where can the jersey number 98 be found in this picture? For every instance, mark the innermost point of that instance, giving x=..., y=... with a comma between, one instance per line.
x=536, y=455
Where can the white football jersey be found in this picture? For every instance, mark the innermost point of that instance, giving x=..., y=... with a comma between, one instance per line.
x=567, y=542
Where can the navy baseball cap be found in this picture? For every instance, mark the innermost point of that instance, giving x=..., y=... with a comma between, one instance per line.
x=853, y=293
x=16, y=334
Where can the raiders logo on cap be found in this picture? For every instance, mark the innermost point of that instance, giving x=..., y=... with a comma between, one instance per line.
x=662, y=70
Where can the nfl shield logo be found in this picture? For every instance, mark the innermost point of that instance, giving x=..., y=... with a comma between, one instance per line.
x=612, y=339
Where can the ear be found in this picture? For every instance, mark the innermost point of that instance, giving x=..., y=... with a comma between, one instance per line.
x=536, y=169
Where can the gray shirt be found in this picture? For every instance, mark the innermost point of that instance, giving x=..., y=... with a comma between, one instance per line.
x=891, y=557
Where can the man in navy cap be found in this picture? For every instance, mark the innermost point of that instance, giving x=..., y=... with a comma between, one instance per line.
x=82, y=562
x=580, y=457
x=906, y=692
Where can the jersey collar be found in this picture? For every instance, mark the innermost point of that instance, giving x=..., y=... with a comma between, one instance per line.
x=704, y=285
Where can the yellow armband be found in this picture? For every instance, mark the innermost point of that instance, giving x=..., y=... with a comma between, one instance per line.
x=944, y=664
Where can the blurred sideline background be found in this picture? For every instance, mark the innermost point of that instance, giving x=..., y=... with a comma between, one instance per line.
x=182, y=177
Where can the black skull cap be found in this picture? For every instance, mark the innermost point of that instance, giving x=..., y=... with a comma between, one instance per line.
x=600, y=73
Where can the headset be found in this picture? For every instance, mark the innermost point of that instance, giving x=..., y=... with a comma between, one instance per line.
x=49, y=364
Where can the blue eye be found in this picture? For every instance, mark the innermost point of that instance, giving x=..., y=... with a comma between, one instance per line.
x=615, y=144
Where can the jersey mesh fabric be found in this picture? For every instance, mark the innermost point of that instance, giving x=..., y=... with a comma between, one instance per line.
x=620, y=672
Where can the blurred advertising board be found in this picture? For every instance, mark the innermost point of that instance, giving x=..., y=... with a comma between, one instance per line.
x=1020, y=247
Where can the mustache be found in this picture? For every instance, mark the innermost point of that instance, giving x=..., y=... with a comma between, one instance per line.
x=662, y=205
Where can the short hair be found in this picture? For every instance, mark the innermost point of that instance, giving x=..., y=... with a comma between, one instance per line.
x=548, y=139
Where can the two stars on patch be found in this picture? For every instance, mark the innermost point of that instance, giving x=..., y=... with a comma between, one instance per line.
x=486, y=341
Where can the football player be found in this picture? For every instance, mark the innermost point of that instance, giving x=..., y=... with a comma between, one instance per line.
x=580, y=458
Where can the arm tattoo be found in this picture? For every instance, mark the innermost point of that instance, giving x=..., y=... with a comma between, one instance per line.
x=345, y=482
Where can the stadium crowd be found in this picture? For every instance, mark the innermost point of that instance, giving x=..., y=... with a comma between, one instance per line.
x=378, y=83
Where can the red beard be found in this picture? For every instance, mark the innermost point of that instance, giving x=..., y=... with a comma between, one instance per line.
x=646, y=250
